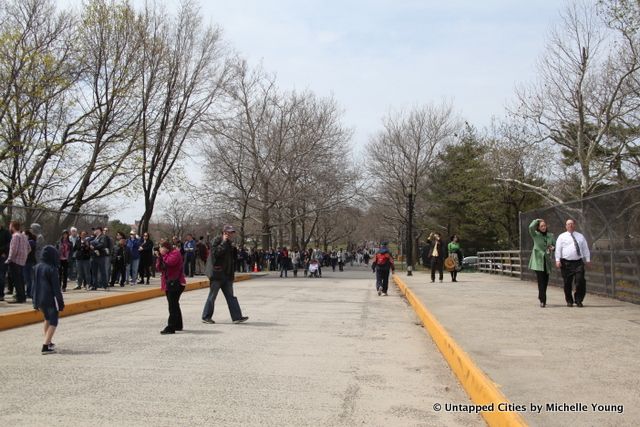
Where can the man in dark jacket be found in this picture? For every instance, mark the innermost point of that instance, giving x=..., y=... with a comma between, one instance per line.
x=47, y=296
x=436, y=252
x=98, y=264
x=220, y=269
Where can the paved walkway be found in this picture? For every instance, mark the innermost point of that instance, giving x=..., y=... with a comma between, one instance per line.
x=553, y=355
x=315, y=352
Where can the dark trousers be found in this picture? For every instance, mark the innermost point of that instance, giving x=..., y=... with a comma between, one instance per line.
x=15, y=271
x=64, y=273
x=144, y=269
x=224, y=283
x=118, y=273
x=573, y=270
x=437, y=264
x=189, y=264
x=29, y=277
x=454, y=275
x=174, y=323
x=382, y=279
x=543, y=282
x=3, y=274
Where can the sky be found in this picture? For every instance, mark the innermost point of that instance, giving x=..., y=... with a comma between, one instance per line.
x=379, y=56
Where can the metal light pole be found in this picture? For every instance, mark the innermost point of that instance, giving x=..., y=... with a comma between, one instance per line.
x=410, y=233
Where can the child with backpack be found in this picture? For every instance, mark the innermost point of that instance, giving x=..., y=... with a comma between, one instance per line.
x=382, y=265
x=47, y=295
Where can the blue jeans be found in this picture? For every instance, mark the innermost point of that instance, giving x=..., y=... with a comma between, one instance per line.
x=132, y=271
x=99, y=272
x=225, y=283
x=84, y=272
x=107, y=267
x=189, y=264
x=73, y=269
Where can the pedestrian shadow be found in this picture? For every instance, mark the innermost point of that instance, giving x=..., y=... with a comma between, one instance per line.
x=199, y=332
x=68, y=352
x=258, y=324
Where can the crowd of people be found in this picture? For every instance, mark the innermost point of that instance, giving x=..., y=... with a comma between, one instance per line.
x=97, y=260
x=91, y=259
x=284, y=260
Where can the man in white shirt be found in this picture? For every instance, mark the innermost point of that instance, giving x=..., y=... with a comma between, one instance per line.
x=572, y=253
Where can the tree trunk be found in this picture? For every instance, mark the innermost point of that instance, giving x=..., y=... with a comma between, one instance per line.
x=293, y=233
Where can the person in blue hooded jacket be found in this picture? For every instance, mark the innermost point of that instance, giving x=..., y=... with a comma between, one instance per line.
x=47, y=295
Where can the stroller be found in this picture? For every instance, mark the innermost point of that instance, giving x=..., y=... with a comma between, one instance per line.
x=313, y=268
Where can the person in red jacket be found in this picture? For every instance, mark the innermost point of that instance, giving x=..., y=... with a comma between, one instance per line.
x=170, y=263
x=382, y=265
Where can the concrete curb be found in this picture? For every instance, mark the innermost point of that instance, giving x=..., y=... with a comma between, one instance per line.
x=480, y=388
x=28, y=317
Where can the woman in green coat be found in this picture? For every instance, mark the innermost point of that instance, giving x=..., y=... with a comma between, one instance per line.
x=540, y=262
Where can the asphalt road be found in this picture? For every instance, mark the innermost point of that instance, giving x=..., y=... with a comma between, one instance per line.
x=323, y=351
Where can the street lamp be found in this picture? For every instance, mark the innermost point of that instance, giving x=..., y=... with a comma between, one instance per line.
x=410, y=232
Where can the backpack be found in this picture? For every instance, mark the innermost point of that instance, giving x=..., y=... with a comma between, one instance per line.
x=382, y=260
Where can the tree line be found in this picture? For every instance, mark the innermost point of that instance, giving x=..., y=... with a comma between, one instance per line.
x=119, y=101
x=569, y=134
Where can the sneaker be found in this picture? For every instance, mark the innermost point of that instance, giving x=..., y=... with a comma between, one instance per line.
x=385, y=294
x=209, y=321
x=166, y=331
x=241, y=320
x=579, y=304
x=77, y=288
x=47, y=350
x=379, y=291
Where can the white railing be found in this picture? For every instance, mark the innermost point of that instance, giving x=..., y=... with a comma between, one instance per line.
x=499, y=262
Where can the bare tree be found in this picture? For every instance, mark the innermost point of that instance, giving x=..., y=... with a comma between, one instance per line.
x=232, y=151
x=400, y=156
x=180, y=215
x=183, y=72
x=583, y=108
x=109, y=46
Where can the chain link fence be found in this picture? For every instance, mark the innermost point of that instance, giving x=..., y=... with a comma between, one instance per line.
x=611, y=224
x=51, y=222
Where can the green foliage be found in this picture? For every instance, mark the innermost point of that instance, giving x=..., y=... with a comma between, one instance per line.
x=116, y=225
x=466, y=199
x=461, y=197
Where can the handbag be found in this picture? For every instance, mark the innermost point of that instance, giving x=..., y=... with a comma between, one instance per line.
x=449, y=263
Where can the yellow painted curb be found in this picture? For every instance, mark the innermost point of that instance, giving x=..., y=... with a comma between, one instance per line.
x=26, y=317
x=480, y=388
